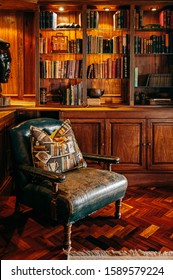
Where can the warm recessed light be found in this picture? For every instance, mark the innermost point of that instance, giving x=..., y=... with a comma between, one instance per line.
x=106, y=9
x=61, y=9
x=153, y=9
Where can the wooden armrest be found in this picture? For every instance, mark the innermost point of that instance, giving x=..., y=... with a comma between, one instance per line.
x=106, y=159
x=53, y=177
x=45, y=174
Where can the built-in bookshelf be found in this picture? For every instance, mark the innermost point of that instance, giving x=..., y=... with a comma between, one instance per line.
x=68, y=67
x=61, y=57
x=124, y=50
x=107, y=54
x=153, y=55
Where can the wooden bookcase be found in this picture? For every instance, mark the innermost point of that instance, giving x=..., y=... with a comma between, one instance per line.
x=101, y=61
x=153, y=55
x=61, y=57
x=101, y=49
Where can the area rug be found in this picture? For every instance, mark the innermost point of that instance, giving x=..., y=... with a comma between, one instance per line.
x=120, y=255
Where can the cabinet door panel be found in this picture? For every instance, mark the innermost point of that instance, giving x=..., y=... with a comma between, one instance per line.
x=89, y=135
x=126, y=139
x=160, y=144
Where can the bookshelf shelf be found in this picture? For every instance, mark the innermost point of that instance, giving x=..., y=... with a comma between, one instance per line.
x=147, y=87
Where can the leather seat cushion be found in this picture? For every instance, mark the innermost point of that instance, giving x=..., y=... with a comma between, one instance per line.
x=83, y=192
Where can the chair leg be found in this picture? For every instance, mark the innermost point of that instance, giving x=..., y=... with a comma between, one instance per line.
x=17, y=206
x=118, y=209
x=67, y=237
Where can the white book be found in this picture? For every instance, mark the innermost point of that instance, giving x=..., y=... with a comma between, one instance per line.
x=136, y=77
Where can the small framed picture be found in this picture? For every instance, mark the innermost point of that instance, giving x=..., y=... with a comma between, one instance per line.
x=59, y=43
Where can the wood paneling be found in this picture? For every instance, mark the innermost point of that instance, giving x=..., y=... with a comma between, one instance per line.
x=17, y=28
x=18, y=4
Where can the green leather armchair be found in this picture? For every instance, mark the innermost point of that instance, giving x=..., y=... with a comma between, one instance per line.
x=67, y=197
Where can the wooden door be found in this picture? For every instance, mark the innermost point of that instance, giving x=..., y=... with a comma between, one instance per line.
x=160, y=144
x=126, y=138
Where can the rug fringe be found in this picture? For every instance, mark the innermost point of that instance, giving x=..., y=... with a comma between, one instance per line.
x=138, y=252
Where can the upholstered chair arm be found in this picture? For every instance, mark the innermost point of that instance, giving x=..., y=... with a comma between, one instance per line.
x=53, y=177
x=44, y=174
x=108, y=160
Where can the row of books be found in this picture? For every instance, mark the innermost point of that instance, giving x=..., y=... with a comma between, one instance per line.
x=155, y=44
x=116, y=44
x=46, y=45
x=165, y=19
x=92, y=18
x=121, y=19
x=48, y=19
x=73, y=95
x=159, y=80
x=55, y=69
x=109, y=69
x=152, y=80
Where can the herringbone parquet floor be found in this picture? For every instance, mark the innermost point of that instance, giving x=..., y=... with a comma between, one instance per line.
x=146, y=223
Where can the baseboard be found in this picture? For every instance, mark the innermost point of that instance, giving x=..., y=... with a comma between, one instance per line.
x=149, y=179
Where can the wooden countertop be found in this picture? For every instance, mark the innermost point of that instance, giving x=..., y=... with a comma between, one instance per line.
x=4, y=114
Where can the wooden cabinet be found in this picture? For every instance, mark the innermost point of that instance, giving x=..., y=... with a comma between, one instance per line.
x=142, y=144
x=7, y=120
x=142, y=138
x=160, y=144
x=89, y=134
x=127, y=139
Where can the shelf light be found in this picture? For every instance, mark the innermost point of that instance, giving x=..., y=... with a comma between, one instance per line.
x=106, y=9
x=153, y=9
x=61, y=9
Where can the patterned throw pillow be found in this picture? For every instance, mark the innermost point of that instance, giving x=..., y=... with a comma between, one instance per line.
x=57, y=152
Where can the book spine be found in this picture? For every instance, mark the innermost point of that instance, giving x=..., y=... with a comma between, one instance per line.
x=136, y=77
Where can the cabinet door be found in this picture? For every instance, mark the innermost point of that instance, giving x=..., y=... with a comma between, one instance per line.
x=160, y=144
x=89, y=134
x=127, y=139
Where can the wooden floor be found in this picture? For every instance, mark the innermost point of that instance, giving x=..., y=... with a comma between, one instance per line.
x=146, y=223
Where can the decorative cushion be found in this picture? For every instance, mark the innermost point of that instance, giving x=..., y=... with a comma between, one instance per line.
x=57, y=152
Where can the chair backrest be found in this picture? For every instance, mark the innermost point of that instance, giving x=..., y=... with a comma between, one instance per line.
x=20, y=143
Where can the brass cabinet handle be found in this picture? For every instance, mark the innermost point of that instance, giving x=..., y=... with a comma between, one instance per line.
x=144, y=144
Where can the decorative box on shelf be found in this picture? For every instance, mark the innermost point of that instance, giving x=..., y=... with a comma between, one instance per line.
x=93, y=101
x=59, y=43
